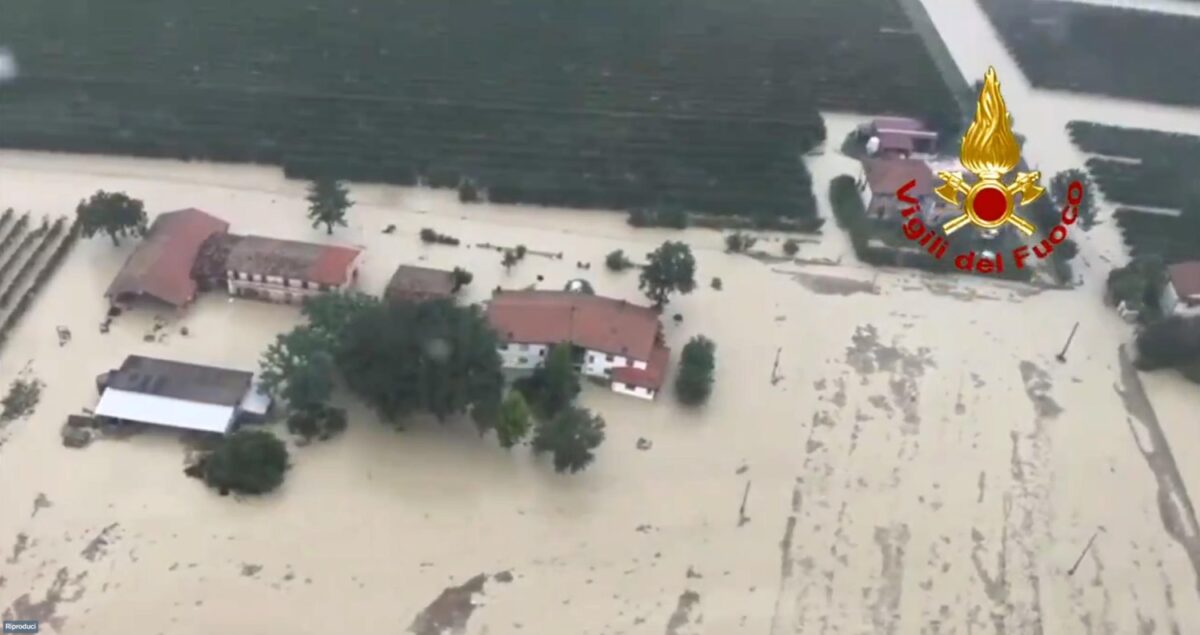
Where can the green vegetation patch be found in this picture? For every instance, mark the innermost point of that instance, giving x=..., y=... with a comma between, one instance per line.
x=1127, y=53
x=705, y=105
x=1148, y=168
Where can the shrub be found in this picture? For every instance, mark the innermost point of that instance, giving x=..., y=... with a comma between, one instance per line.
x=430, y=236
x=247, y=462
x=672, y=217
x=717, y=284
x=318, y=421
x=1174, y=341
x=694, y=382
x=616, y=261
x=1138, y=285
x=791, y=247
x=23, y=396
x=462, y=278
x=738, y=242
x=468, y=192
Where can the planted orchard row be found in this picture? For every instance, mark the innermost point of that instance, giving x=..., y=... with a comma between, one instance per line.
x=46, y=239
x=1096, y=138
x=1172, y=238
x=52, y=263
x=13, y=231
x=25, y=243
x=1126, y=53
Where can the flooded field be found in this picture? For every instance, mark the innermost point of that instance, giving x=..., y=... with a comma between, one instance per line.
x=919, y=463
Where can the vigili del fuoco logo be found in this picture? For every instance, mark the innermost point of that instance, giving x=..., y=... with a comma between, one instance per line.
x=989, y=152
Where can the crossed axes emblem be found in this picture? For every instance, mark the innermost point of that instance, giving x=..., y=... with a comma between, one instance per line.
x=989, y=203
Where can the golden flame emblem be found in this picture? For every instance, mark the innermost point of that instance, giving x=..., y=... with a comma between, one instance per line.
x=990, y=150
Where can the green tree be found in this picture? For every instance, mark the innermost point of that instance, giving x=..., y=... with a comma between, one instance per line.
x=112, y=213
x=248, y=462
x=554, y=385
x=515, y=420
x=331, y=314
x=432, y=357
x=317, y=421
x=669, y=268
x=616, y=261
x=570, y=436
x=1061, y=183
x=299, y=367
x=694, y=382
x=328, y=202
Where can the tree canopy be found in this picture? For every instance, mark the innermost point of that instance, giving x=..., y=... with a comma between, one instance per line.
x=694, y=382
x=248, y=462
x=570, y=437
x=670, y=268
x=328, y=202
x=112, y=213
x=1087, y=207
x=554, y=384
x=432, y=357
x=515, y=420
x=299, y=367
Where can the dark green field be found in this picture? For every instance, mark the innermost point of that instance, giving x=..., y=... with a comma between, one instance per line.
x=1124, y=53
x=1149, y=169
x=703, y=104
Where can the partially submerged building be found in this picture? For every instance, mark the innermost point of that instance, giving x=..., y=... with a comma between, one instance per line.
x=1181, y=293
x=899, y=137
x=611, y=339
x=881, y=180
x=420, y=284
x=160, y=268
x=179, y=395
x=190, y=251
x=288, y=270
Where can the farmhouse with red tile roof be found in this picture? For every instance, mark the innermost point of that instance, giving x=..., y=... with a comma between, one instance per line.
x=613, y=339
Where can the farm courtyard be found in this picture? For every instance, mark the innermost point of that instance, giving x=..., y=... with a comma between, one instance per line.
x=921, y=464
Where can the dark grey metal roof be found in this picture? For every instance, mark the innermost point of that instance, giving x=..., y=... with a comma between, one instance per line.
x=180, y=380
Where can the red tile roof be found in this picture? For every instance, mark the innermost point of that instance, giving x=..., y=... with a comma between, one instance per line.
x=161, y=266
x=1185, y=277
x=593, y=322
x=323, y=264
x=886, y=176
x=652, y=376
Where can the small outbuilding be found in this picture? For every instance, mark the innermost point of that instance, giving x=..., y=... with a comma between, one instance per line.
x=419, y=284
x=1181, y=293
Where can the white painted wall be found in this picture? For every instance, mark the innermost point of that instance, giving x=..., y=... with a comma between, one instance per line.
x=598, y=364
x=1172, y=305
x=633, y=391
x=522, y=356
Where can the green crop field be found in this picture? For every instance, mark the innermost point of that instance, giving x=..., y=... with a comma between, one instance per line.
x=703, y=104
x=1147, y=168
x=1118, y=52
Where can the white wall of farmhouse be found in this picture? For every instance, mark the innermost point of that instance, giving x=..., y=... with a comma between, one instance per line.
x=1171, y=303
x=633, y=391
x=522, y=356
